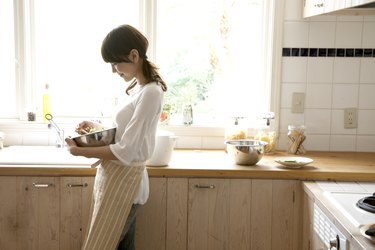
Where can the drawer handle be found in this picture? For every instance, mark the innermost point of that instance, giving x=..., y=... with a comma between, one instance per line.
x=42, y=185
x=205, y=186
x=77, y=185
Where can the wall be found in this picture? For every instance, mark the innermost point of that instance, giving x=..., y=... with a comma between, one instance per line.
x=330, y=83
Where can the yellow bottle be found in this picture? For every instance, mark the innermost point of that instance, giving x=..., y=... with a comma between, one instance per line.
x=46, y=102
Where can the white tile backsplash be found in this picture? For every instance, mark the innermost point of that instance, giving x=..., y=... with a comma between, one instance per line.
x=368, y=40
x=330, y=84
x=296, y=34
x=346, y=70
x=367, y=70
x=344, y=96
x=318, y=95
x=348, y=34
x=343, y=143
x=366, y=122
x=294, y=69
x=317, y=142
x=366, y=143
x=367, y=100
x=318, y=121
x=319, y=70
x=322, y=35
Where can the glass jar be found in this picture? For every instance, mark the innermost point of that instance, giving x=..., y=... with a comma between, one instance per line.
x=296, y=136
x=236, y=130
x=269, y=136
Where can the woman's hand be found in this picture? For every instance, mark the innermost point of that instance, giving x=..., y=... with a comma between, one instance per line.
x=86, y=127
x=71, y=145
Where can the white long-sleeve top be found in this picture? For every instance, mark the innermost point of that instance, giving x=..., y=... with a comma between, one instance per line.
x=136, y=123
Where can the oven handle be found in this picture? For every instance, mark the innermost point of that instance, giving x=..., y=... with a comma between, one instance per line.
x=334, y=244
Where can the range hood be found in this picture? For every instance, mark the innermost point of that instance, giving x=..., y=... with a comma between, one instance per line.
x=365, y=6
x=364, y=9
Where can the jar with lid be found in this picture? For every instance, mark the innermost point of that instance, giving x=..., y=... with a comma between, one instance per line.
x=296, y=136
x=236, y=130
x=267, y=133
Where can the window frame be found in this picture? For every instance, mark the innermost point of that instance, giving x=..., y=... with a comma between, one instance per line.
x=148, y=24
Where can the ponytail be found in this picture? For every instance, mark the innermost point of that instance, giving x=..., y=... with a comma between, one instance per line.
x=150, y=70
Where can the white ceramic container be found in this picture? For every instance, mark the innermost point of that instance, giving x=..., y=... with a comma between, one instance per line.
x=164, y=145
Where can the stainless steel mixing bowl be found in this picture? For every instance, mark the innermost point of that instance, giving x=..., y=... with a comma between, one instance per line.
x=96, y=139
x=246, y=152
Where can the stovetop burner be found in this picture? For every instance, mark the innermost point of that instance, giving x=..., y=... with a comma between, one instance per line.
x=367, y=203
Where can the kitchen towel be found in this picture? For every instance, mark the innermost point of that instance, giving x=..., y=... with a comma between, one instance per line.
x=115, y=188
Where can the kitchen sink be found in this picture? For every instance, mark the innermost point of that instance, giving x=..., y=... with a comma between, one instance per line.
x=40, y=155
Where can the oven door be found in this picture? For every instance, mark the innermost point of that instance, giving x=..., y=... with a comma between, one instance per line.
x=326, y=234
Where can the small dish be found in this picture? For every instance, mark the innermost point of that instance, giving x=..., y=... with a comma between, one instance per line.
x=368, y=228
x=293, y=162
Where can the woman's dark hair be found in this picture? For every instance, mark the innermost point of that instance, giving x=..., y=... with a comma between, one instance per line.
x=116, y=48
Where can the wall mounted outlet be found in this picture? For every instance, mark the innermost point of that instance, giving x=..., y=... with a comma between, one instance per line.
x=350, y=118
x=298, y=102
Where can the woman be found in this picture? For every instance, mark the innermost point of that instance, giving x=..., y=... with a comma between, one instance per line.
x=121, y=182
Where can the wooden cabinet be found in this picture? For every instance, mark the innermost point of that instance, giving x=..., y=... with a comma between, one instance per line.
x=199, y=213
x=44, y=212
x=151, y=218
x=8, y=214
x=75, y=204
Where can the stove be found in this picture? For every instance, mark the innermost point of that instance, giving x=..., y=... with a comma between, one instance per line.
x=346, y=195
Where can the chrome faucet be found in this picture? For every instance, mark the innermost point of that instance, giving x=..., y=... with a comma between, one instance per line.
x=59, y=131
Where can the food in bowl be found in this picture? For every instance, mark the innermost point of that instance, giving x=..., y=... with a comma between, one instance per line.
x=96, y=139
x=246, y=152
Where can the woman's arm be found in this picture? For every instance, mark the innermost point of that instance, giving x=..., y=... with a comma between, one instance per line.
x=103, y=152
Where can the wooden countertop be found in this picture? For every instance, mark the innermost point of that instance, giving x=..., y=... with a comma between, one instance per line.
x=343, y=166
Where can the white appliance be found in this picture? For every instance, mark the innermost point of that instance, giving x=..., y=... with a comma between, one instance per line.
x=348, y=198
x=328, y=236
x=345, y=196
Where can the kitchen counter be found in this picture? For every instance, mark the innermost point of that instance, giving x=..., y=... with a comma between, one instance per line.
x=341, y=166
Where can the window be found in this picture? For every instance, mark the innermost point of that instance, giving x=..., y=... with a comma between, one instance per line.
x=211, y=53
x=8, y=63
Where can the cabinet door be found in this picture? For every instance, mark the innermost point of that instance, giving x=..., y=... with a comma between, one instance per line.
x=244, y=214
x=308, y=218
x=276, y=215
x=219, y=214
x=151, y=218
x=38, y=208
x=8, y=208
x=76, y=193
x=177, y=200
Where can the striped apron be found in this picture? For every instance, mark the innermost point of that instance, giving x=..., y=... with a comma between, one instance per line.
x=114, y=191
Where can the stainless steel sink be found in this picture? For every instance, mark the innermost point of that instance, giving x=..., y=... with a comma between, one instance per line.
x=40, y=155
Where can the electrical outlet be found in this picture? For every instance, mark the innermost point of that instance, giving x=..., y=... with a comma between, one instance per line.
x=298, y=102
x=350, y=118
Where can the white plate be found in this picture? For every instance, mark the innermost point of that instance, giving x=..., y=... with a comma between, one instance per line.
x=293, y=162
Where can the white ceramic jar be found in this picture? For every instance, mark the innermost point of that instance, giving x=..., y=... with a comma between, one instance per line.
x=1, y=140
x=164, y=145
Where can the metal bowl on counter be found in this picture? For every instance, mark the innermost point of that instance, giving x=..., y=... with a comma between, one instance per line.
x=246, y=152
x=96, y=139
